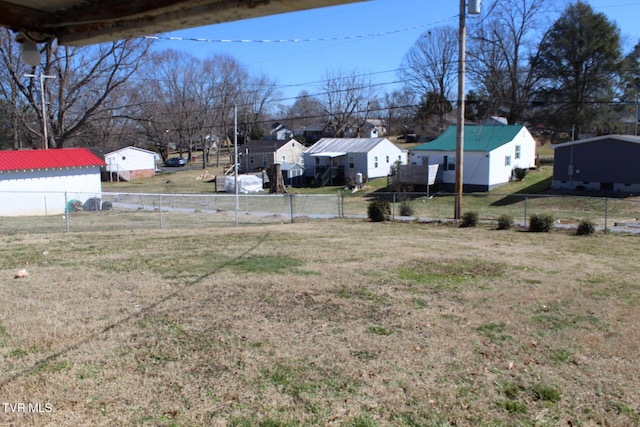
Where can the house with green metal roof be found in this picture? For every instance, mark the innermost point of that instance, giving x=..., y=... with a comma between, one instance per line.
x=491, y=154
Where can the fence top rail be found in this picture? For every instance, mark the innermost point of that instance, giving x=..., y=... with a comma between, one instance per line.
x=531, y=195
x=215, y=195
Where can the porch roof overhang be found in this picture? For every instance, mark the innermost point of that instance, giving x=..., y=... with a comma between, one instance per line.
x=84, y=22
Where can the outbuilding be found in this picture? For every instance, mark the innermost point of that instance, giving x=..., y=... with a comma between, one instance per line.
x=42, y=182
x=130, y=163
x=606, y=163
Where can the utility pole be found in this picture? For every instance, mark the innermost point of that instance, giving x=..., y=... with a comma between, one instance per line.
x=43, y=106
x=235, y=159
x=474, y=9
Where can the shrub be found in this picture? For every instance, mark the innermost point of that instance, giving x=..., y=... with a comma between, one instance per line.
x=520, y=173
x=586, y=227
x=541, y=223
x=505, y=222
x=469, y=219
x=406, y=208
x=379, y=210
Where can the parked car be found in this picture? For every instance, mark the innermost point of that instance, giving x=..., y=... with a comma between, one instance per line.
x=175, y=162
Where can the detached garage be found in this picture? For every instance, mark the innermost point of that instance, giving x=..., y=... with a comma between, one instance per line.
x=41, y=182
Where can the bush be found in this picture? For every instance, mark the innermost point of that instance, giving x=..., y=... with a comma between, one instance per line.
x=520, y=173
x=379, y=210
x=505, y=222
x=406, y=208
x=469, y=219
x=586, y=227
x=541, y=223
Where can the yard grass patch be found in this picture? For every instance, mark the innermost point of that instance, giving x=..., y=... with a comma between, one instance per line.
x=321, y=323
x=449, y=273
x=267, y=264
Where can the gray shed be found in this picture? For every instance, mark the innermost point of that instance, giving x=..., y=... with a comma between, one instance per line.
x=604, y=163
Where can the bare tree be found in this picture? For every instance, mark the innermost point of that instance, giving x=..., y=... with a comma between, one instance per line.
x=503, y=52
x=348, y=101
x=255, y=104
x=307, y=109
x=400, y=110
x=17, y=108
x=227, y=78
x=430, y=66
x=82, y=89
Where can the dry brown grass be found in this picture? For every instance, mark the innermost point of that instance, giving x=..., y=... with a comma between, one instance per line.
x=322, y=323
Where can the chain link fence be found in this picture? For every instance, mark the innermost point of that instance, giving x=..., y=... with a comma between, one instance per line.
x=607, y=213
x=63, y=212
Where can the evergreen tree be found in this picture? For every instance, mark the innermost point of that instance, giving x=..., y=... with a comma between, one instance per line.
x=578, y=62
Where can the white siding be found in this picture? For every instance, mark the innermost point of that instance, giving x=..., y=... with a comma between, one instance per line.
x=387, y=153
x=43, y=192
x=292, y=151
x=484, y=168
x=130, y=159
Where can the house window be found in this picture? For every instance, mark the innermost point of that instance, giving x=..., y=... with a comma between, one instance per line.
x=375, y=162
x=449, y=164
x=517, y=156
x=264, y=160
x=351, y=163
x=284, y=159
x=387, y=159
x=507, y=160
x=251, y=159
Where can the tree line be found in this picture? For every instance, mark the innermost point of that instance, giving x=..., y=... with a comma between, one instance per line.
x=570, y=74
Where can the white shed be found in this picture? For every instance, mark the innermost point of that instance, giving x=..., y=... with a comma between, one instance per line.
x=130, y=163
x=41, y=182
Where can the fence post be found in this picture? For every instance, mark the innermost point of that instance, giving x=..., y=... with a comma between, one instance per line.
x=393, y=207
x=341, y=204
x=291, y=206
x=606, y=214
x=160, y=209
x=66, y=212
x=526, y=199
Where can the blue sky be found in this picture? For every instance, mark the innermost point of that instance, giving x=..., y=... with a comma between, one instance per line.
x=369, y=38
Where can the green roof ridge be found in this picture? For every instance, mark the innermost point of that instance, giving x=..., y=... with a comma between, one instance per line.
x=476, y=138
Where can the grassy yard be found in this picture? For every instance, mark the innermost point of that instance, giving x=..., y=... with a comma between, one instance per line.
x=340, y=322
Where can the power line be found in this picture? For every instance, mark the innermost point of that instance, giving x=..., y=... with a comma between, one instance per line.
x=300, y=40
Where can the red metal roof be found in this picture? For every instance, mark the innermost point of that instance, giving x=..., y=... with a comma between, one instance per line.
x=14, y=160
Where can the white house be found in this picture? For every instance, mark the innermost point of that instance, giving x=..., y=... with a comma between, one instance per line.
x=41, y=182
x=491, y=154
x=130, y=163
x=374, y=128
x=258, y=155
x=280, y=132
x=335, y=160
